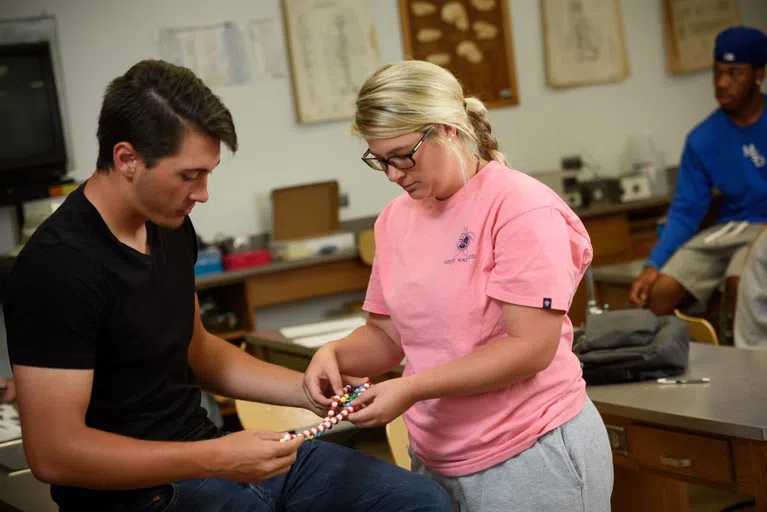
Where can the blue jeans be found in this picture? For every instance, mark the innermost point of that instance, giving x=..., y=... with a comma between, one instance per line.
x=325, y=476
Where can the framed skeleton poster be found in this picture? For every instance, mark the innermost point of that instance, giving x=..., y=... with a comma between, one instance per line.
x=584, y=42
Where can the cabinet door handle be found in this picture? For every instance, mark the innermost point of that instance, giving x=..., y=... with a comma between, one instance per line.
x=667, y=460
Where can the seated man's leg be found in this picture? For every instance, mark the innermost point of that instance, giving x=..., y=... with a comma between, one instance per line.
x=205, y=495
x=330, y=477
x=325, y=477
x=692, y=274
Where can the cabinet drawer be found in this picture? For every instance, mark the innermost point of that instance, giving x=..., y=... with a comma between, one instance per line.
x=681, y=453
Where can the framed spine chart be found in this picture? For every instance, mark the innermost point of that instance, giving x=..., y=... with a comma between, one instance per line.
x=332, y=48
x=470, y=38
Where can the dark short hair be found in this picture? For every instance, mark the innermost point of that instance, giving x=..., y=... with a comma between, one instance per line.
x=152, y=105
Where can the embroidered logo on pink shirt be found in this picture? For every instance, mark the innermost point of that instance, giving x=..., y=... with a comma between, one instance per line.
x=464, y=241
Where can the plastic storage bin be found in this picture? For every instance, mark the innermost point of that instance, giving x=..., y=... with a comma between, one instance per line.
x=209, y=261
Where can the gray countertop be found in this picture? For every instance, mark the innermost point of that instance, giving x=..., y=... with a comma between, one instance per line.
x=222, y=278
x=597, y=210
x=618, y=273
x=732, y=404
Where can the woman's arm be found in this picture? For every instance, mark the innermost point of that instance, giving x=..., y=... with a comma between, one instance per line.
x=373, y=349
x=532, y=341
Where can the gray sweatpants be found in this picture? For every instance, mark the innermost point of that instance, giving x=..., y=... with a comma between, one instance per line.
x=568, y=469
x=751, y=308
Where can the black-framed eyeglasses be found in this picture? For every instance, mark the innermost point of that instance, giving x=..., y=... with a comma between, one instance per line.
x=397, y=161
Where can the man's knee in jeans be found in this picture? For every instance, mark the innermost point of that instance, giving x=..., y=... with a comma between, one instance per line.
x=430, y=494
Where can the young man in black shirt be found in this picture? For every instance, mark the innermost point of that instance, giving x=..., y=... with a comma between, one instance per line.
x=109, y=353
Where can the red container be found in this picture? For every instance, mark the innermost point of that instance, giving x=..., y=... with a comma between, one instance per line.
x=249, y=259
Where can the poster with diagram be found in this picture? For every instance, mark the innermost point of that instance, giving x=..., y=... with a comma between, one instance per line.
x=691, y=27
x=584, y=42
x=333, y=50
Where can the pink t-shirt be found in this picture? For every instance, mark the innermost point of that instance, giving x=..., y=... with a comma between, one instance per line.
x=443, y=270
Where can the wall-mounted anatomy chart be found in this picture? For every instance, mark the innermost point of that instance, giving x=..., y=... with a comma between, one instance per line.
x=584, y=42
x=332, y=48
x=691, y=30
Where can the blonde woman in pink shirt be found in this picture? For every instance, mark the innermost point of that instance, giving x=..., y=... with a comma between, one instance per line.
x=475, y=268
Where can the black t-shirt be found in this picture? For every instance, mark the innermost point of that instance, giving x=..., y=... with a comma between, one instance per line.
x=79, y=298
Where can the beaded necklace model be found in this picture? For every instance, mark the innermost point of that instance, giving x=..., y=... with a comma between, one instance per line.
x=334, y=417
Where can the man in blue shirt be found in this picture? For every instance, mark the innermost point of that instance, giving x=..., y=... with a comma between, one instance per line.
x=727, y=152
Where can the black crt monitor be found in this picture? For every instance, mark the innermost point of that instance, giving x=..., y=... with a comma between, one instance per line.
x=32, y=145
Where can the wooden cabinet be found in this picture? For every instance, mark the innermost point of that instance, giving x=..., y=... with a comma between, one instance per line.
x=682, y=453
x=619, y=233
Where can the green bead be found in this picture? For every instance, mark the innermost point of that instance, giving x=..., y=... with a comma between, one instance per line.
x=354, y=396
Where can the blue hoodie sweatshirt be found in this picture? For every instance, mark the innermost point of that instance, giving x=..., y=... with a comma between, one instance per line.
x=717, y=154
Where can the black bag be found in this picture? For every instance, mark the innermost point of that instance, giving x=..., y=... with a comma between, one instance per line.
x=632, y=345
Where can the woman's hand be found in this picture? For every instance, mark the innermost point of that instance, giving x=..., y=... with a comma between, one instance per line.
x=322, y=380
x=383, y=403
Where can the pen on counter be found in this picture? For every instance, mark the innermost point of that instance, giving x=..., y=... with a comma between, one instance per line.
x=701, y=380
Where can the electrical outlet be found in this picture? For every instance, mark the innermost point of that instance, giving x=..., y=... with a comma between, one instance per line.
x=343, y=200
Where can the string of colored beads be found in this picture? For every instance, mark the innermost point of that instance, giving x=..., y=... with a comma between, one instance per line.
x=334, y=416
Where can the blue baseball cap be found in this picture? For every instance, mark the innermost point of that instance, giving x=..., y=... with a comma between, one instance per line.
x=741, y=45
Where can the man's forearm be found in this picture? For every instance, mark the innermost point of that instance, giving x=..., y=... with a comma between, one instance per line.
x=224, y=369
x=96, y=459
x=367, y=352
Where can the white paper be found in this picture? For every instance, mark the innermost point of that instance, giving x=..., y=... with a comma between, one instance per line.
x=10, y=427
x=216, y=53
x=324, y=327
x=268, y=47
x=317, y=340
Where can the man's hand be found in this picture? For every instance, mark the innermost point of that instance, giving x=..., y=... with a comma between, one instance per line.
x=383, y=403
x=640, y=288
x=254, y=455
x=9, y=394
x=322, y=380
